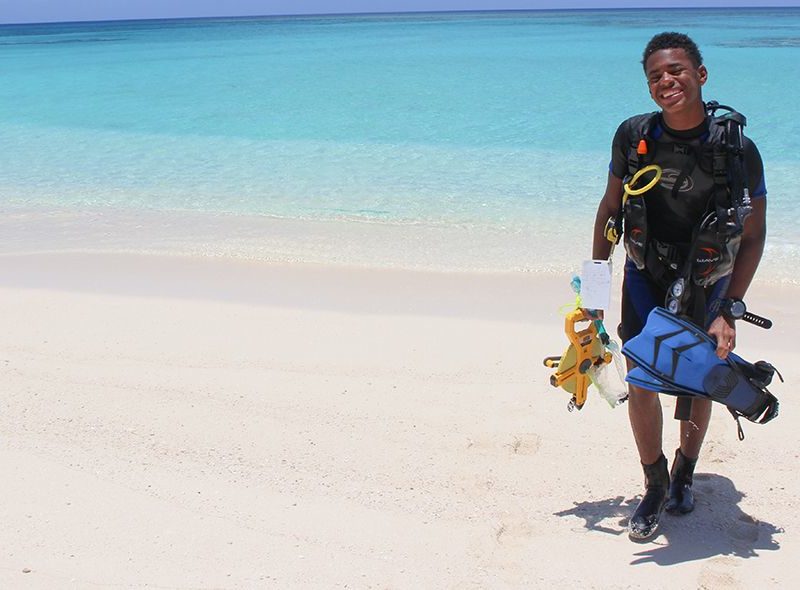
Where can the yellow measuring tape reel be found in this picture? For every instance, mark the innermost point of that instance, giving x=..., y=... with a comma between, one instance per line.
x=584, y=352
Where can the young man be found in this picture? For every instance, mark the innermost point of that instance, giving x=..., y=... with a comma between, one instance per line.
x=675, y=208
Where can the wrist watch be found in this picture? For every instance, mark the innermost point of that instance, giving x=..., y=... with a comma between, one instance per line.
x=733, y=309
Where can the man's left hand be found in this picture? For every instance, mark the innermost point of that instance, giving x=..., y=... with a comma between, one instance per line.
x=724, y=331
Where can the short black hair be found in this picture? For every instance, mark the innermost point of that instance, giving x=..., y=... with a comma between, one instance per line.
x=673, y=41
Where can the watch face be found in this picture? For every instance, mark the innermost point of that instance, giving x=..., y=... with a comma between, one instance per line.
x=737, y=309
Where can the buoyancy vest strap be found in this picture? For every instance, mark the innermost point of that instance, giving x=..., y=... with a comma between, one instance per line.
x=730, y=173
x=636, y=161
x=722, y=194
x=740, y=193
x=686, y=171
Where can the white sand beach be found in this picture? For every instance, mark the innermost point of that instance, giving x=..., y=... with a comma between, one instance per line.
x=175, y=422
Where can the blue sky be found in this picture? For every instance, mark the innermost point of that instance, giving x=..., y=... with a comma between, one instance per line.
x=65, y=10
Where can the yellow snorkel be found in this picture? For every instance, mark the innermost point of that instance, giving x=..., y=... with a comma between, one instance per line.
x=611, y=231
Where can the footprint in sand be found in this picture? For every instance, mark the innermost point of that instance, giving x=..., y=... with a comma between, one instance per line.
x=514, y=527
x=717, y=453
x=719, y=573
x=745, y=528
x=515, y=444
x=525, y=444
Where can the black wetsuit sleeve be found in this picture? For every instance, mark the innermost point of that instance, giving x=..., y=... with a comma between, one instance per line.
x=755, y=170
x=619, y=152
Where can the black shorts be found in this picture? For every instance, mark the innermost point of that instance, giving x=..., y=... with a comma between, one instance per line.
x=640, y=295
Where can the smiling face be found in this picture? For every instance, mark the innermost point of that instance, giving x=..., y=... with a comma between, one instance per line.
x=675, y=82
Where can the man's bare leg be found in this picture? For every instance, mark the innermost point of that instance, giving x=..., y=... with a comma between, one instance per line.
x=693, y=431
x=644, y=411
x=647, y=422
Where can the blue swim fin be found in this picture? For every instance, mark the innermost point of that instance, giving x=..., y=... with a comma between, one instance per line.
x=638, y=377
x=676, y=357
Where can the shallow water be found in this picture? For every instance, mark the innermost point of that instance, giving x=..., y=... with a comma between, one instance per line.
x=497, y=124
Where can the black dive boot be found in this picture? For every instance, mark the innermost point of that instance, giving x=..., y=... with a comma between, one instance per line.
x=644, y=522
x=681, y=498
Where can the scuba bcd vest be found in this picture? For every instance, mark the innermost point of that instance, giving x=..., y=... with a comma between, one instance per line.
x=708, y=254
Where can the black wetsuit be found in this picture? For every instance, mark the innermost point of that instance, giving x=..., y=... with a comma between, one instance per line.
x=672, y=212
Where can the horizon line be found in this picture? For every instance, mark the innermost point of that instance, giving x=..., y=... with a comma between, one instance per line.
x=396, y=13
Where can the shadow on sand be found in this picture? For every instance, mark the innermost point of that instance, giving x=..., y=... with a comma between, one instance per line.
x=716, y=527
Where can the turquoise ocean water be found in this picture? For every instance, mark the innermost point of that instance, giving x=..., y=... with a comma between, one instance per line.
x=468, y=140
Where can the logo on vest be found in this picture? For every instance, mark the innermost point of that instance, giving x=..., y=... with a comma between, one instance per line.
x=706, y=261
x=669, y=177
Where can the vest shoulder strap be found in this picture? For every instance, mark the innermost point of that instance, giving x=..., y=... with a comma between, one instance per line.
x=731, y=192
x=640, y=129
